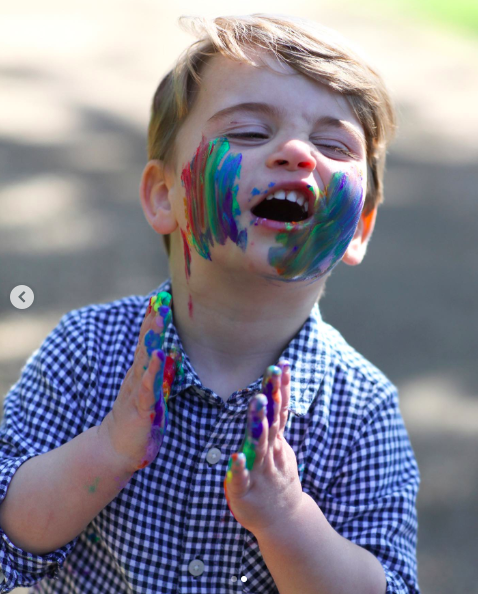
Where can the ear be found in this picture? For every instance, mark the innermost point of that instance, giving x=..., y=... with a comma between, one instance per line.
x=154, y=192
x=358, y=246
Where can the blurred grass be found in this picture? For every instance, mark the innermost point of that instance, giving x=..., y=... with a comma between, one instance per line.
x=461, y=15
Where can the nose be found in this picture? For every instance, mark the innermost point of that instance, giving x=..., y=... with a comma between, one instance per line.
x=292, y=155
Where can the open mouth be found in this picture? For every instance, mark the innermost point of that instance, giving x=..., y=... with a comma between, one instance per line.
x=287, y=206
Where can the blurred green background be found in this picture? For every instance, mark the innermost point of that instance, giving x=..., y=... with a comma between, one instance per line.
x=458, y=15
x=76, y=84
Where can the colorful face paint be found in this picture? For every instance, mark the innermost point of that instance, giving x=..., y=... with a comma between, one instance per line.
x=210, y=181
x=311, y=249
x=187, y=255
x=258, y=191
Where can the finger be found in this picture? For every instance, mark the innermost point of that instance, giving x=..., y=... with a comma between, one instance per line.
x=159, y=377
x=270, y=387
x=146, y=324
x=160, y=408
x=284, y=364
x=271, y=384
x=153, y=341
x=255, y=441
x=237, y=481
x=153, y=318
x=146, y=396
x=140, y=363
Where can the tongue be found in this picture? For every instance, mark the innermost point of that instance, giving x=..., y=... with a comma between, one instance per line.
x=279, y=210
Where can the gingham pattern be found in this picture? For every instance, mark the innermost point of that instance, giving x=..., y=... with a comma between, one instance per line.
x=345, y=427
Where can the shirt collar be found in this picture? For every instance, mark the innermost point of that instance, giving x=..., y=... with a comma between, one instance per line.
x=307, y=352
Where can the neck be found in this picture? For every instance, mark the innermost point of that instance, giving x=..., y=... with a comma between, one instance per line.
x=235, y=327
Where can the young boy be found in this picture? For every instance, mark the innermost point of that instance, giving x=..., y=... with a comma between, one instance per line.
x=153, y=464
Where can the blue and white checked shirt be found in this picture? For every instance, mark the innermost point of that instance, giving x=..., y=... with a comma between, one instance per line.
x=170, y=530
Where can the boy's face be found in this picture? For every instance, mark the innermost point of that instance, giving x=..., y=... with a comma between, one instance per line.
x=270, y=173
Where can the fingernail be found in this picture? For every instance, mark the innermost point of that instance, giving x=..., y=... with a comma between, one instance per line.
x=260, y=403
x=272, y=370
x=236, y=459
x=164, y=298
x=284, y=364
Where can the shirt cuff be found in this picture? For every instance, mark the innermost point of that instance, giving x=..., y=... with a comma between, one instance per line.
x=18, y=568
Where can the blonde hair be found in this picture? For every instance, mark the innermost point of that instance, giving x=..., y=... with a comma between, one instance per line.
x=310, y=49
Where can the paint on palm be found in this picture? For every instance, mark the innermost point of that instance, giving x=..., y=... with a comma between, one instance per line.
x=311, y=249
x=212, y=210
x=170, y=368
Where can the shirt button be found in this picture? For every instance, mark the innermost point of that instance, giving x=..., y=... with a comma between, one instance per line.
x=213, y=456
x=196, y=567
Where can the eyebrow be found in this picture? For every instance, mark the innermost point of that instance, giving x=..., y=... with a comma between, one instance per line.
x=342, y=125
x=251, y=107
x=272, y=110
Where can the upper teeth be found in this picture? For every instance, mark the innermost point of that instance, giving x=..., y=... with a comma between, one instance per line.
x=292, y=196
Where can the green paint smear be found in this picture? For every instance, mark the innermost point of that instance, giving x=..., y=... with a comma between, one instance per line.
x=211, y=197
x=311, y=250
x=92, y=488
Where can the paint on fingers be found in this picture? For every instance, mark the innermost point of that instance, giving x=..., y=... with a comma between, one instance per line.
x=256, y=413
x=170, y=368
x=270, y=388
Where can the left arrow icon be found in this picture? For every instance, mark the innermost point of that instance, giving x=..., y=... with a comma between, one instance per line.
x=22, y=297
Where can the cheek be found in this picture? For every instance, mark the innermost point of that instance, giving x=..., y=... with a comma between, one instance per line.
x=312, y=251
x=210, y=181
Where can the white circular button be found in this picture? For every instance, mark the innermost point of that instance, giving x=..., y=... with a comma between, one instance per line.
x=21, y=297
x=196, y=567
x=213, y=456
x=243, y=578
x=233, y=578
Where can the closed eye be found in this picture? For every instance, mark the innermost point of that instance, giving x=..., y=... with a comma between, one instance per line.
x=248, y=135
x=338, y=149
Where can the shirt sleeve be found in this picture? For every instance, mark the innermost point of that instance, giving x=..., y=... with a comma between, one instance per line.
x=371, y=501
x=42, y=411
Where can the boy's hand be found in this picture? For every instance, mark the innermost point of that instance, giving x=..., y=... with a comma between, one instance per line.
x=135, y=426
x=262, y=484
